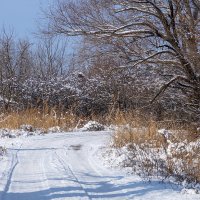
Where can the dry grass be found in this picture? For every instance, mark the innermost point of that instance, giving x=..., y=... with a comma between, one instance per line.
x=184, y=163
x=151, y=153
x=138, y=135
x=132, y=118
x=140, y=127
x=37, y=119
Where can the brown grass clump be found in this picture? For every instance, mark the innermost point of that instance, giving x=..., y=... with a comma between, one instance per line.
x=38, y=119
x=138, y=135
x=184, y=162
x=133, y=118
x=151, y=153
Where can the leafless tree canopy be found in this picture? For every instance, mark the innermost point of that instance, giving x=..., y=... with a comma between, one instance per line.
x=164, y=33
x=133, y=55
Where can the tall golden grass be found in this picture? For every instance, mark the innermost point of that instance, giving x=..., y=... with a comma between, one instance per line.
x=147, y=127
x=134, y=130
x=38, y=119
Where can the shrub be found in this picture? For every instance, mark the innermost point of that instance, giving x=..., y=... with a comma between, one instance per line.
x=162, y=153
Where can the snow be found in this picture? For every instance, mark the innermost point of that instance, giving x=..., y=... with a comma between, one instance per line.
x=9, y=133
x=189, y=191
x=165, y=133
x=54, y=129
x=65, y=166
x=92, y=126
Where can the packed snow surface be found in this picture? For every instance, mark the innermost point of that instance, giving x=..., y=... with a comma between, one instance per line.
x=65, y=166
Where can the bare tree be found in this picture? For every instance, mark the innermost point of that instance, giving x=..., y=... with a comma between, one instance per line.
x=24, y=62
x=165, y=33
x=50, y=58
x=15, y=66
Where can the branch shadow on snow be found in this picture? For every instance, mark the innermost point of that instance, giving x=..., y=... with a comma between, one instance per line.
x=52, y=193
x=29, y=149
x=95, y=189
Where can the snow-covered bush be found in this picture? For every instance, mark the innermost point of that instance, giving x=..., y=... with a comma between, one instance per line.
x=92, y=126
x=158, y=154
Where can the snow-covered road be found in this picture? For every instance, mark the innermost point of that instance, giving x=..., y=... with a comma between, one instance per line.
x=66, y=166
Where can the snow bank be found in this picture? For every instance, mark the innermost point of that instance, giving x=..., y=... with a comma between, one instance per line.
x=176, y=161
x=92, y=126
x=24, y=131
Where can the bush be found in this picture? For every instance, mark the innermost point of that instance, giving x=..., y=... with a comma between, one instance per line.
x=162, y=153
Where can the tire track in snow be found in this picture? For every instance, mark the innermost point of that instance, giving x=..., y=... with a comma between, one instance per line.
x=45, y=179
x=15, y=162
x=68, y=169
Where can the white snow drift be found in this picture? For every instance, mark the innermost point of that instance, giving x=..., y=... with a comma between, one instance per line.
x=68, y=166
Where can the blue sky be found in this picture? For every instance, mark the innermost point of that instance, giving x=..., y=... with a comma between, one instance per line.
x=21, y=15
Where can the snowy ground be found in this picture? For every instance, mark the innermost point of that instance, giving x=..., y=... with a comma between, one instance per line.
x=67, y=166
